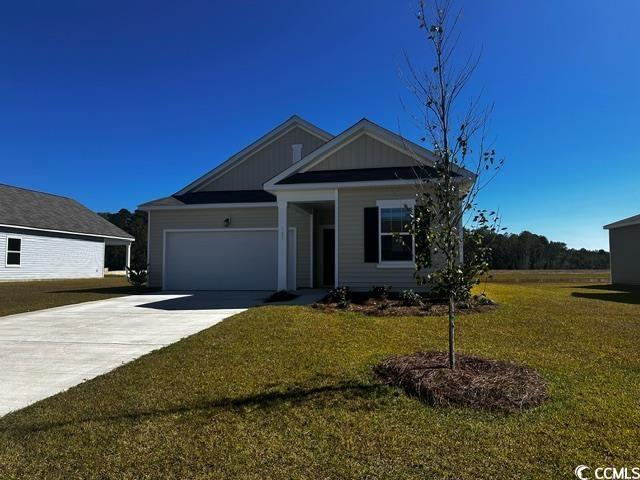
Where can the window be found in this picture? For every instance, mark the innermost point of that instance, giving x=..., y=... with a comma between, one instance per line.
x=396, y=243
x=14, y=248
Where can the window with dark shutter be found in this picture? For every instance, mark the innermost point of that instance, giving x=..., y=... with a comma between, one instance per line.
x=397, y=243
x=371, y=235
x=395, y=240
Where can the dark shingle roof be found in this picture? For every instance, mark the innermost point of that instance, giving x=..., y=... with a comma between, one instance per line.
x=626, y=222
x=360, y=175
x=228, y=196
x=27, y=208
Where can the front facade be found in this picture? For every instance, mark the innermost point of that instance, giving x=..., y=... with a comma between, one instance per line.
x=298, y=208
x=44, y=236
x=624, y=248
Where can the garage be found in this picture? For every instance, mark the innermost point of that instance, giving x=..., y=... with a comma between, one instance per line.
x=225, y=259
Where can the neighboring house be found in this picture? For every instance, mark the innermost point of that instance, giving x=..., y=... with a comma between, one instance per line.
x=297, y=208
x=624, y=248
x=45, y=236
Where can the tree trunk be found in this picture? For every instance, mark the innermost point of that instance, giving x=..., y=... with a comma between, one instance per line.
x=452, y=325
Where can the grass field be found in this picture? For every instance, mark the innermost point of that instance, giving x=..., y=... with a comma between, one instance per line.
x=19, y=297
x=553, y=276
x=287, y=392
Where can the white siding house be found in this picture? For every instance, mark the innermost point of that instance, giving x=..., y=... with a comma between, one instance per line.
x=41, y=256
x=44, y=236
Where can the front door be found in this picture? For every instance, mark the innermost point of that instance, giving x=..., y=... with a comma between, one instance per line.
x=328, y=256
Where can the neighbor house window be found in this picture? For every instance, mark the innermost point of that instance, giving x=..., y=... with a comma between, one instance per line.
x=396, y=243
x=14, y=250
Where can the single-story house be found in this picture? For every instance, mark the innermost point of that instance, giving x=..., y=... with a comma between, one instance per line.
x=624, y=248
x=297, y=208
x=45, y=236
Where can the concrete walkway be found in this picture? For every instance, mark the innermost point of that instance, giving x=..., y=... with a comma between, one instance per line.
x=47, y=351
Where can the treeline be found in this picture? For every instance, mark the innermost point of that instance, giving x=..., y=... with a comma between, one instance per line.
x=522, y=251
x=528, y=251
x=135, y=224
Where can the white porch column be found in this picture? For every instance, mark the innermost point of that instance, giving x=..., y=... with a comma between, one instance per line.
x=336, y=229
x=128, y=261
x=282, y=244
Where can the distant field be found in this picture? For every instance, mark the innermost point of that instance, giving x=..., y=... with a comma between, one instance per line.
x=549, y=276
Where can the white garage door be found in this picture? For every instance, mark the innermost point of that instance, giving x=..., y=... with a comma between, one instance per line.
x=225, y=260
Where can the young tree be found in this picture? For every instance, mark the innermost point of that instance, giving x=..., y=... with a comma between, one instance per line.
x=447, y=190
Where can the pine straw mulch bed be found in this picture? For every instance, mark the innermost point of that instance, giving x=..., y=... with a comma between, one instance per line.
x=393, y=307
x=475, y=382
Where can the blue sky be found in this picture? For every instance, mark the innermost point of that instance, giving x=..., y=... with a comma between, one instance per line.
x=115, y=103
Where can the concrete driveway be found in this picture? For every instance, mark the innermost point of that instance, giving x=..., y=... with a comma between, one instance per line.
x=47, y=351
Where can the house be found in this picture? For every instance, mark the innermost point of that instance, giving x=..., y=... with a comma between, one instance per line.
x=45, y=236
x=297, y=208
x=624, y=248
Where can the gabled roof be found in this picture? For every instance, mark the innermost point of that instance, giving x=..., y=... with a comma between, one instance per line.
x=627, y=222
x=34, y=210
x=231, y=162
x=424, y=156
x=211, y=198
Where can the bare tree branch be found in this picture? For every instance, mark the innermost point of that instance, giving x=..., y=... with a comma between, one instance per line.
x=462, y=165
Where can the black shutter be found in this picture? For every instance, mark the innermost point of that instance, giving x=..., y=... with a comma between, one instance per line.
x=371, y=235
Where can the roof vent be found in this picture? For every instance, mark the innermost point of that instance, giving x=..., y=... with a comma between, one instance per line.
x=297, y=152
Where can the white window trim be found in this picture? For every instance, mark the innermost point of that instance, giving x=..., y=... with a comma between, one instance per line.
x=401, y=203
x=7, y=252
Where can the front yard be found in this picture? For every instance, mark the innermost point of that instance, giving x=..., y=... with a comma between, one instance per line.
x=288, y=392
x=19, y=297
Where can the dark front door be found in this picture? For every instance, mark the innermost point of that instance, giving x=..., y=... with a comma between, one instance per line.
x=328, y=256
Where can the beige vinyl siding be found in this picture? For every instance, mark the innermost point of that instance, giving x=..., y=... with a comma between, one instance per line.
x=624, y=244
x=365, y=152
x=352, y=269
x=261, y=217
x=264, y=164
x=301, y=220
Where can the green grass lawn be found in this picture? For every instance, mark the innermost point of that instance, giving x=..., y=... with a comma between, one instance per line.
x=18, y=297
x=553, y=276
x=287, y=392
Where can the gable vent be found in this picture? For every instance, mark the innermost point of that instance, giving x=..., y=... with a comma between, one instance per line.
x=297, y=152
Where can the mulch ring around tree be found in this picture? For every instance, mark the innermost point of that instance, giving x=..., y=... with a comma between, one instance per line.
x=475, y=382
x=393, y=307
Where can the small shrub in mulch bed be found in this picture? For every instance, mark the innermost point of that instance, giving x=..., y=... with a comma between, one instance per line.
x=407, y=303
x=281, y=296
x=475, y=382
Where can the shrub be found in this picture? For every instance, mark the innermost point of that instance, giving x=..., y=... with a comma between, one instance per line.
x=482, y=299
x=280, y=296
x=137, y=276
x=409, y=298
x=341, y=296
x=383, y=305
x=380, y=292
